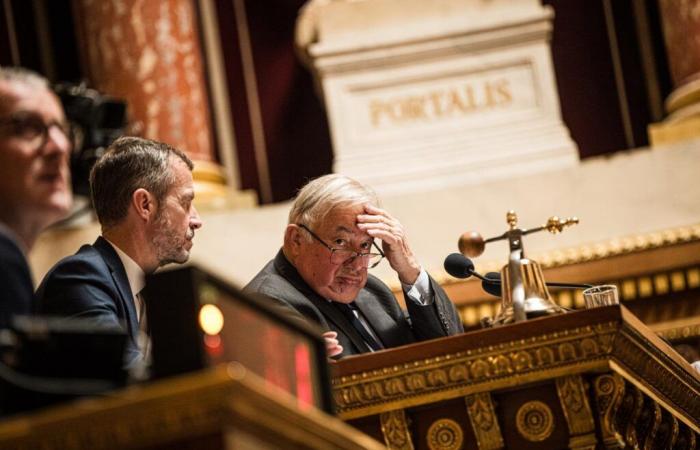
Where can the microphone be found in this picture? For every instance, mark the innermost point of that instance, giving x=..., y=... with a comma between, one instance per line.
x=491, y=283
x=459, y=266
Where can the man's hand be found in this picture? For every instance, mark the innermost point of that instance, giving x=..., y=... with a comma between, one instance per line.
x=696, y=365
x=379, y=224
x=333, y=348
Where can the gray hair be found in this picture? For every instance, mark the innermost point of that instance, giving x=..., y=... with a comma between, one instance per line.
x=20, y=75
x=128, y=164
x=322, y=195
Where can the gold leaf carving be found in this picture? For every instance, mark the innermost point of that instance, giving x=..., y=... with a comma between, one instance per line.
x=445, y=434
x=484, y=421
x=574, y=402
x=534, y=421
x=395, y=430
x=609, y=390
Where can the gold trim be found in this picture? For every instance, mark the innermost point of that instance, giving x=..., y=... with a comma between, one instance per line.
x=630, y=288
x=452, y=375
x=484, y=421
x=445, y=434
x=397, y=436
x=635, y=398
x=163, y=413
x=625, y=245
x=609, y=391
x=678, y=329
x=534, y=421
x=616, y=346
x=574, y=402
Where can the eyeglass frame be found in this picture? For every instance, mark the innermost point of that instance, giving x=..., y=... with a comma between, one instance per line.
x=24, y=116
x=352, y=258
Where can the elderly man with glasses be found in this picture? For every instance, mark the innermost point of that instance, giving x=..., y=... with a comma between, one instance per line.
x=321, y=272
x=34, y=179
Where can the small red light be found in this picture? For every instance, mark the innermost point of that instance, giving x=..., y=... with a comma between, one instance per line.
x=213, y=346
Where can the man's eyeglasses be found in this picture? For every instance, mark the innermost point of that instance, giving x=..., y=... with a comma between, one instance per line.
x=31, y=128
x=341, y=256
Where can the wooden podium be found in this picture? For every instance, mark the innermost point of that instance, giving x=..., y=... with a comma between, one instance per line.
x=592, y=379
x=224, y=407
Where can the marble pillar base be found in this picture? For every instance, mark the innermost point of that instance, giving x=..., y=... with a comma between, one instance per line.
x=435, y=93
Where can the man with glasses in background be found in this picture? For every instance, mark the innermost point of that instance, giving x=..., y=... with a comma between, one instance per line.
x=321, y=272
x=34, y=179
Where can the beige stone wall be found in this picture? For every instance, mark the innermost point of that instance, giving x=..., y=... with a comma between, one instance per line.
x=629, y=193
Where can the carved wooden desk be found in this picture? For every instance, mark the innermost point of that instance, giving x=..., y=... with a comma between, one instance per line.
x=224, y=407
x=596, y=378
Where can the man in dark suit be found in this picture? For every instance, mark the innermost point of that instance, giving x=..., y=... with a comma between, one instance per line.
x=321, y=272
x=34, y=179
x=142, y=191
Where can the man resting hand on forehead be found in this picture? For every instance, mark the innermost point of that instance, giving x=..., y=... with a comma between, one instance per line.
x=322, y=272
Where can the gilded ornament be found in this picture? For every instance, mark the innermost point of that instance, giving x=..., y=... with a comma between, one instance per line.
x=484, y=421
x=609, y=391
x=534, y=421
x=395, y=430
x=445, y=434
x=574, y=401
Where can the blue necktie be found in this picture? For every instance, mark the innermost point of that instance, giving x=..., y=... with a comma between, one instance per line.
x=348, y=311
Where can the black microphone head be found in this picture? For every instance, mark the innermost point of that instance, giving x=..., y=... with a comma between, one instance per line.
x=458, y=265
x=492, y=283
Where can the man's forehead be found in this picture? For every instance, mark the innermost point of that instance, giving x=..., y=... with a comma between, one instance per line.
x=19, y=96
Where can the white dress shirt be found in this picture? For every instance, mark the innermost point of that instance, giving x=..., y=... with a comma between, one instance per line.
x=137, y=281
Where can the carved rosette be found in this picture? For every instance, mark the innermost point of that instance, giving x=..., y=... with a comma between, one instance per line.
x=395, y=430
x=484, y=421
x=534, y=421
x=445, y=434
x=481, y=366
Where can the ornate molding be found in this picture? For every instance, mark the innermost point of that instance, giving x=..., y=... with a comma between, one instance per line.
x=577, y=411
x=452, y=375
x=609, y=391
x=625, y=245
x=397, y=436
x=482, y=416
x=667, y=390
x=631, y=288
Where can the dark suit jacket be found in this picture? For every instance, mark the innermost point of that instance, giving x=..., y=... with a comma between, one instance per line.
x=280, y=281
x=15, y=280
x=92, y=284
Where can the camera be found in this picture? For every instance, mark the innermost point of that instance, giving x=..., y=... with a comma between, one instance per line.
x=96, y=121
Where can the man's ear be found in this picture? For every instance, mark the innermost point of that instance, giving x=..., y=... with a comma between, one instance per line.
x=144, y=203
x=293, y=238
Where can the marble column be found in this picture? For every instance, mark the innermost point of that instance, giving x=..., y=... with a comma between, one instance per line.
x=149, y=54
x=681, y=26
x=428, y=94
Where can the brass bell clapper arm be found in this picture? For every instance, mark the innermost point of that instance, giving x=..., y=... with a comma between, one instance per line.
x=524, y=293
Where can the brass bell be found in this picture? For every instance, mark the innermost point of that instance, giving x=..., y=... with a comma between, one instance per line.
x=537, y=301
